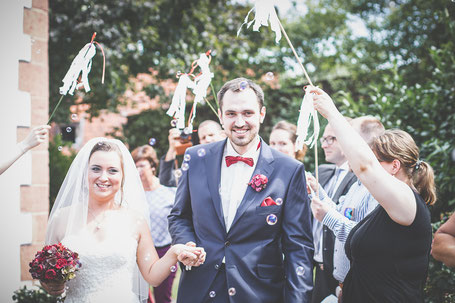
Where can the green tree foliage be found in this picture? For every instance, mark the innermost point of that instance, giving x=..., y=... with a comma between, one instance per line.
x=59, y=165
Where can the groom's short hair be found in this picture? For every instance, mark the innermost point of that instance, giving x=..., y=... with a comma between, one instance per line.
x=239, y=84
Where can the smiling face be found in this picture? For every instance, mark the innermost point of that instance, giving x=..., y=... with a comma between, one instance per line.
x=105, y=175
x=241, y=117
x=281, y=141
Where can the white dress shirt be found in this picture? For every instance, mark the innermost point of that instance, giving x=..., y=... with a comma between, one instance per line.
x=235, y=179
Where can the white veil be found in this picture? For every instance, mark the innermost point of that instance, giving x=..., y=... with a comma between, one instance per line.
x=72, y=201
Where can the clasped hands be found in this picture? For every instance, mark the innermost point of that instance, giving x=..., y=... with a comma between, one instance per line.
x=190, y=255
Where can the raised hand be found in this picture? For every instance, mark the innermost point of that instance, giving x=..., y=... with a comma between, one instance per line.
x=322, y=102
x=37, y=136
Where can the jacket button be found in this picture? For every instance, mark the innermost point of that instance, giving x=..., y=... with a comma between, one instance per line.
x=217, y=266
x=227, y=243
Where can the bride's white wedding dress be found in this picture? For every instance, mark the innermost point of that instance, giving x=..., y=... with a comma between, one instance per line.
x=108, y=265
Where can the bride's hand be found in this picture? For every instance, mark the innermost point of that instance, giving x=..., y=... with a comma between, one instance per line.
x=189, y=255
x=54, y=288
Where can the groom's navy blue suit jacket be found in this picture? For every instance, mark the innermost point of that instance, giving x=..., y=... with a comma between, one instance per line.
x=263, y=262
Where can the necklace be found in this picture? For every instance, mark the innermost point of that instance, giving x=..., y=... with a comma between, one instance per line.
x=97, y=219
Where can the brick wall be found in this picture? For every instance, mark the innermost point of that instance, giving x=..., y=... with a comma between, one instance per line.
x=34, y=79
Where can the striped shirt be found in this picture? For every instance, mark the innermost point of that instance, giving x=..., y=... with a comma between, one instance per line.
x=342, y=218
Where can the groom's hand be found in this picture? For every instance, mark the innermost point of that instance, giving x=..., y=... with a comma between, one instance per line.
x=201, y=258
x=190, y=255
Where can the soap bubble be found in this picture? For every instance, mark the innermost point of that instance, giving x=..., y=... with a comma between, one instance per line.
x=178, y=173
x=201, y=152
x=152, y=141
x=279, y=201
x=73, y=117
x=173, y=268
x=300, y=270
x=269, y=76
x=173, y=123
x=187, y=157
x=212, y=294
x=272, y=219
x=68, y=129
x=185, y=166
x=243, y=85
x=231, y=291
x=60, y=148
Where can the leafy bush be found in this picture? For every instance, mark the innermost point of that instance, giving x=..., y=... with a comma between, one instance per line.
x=24, y=295
x=59, y=164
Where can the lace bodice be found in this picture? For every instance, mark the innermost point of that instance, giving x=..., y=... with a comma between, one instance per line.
x=108, y=265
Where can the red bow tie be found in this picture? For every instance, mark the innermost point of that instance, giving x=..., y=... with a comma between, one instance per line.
x=231, y=160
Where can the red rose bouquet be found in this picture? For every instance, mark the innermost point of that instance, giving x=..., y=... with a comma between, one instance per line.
x=55, y=263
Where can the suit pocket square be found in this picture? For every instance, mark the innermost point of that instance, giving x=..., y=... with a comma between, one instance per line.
x=268, y=202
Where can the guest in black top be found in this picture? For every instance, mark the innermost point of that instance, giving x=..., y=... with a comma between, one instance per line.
x=389, y=249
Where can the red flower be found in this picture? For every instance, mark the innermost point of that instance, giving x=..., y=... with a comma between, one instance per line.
x=50, y=274
x=258, y=182
x=61, y=263
x=48, y=263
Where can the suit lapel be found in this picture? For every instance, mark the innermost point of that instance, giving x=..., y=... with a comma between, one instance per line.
x=341, y=188
x=264, y=167
x=326, y=174
x=213, y=167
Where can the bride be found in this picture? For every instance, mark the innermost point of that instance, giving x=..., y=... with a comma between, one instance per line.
x=100, y=213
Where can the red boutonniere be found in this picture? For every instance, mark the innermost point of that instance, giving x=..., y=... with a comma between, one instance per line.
x=258, y=182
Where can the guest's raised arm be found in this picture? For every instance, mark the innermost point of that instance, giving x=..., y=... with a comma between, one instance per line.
x=37, y=136
x=387, y=180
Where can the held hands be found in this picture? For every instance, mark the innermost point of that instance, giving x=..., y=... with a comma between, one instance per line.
x=322, y=102
x=37, y=136
x=54, y=288
x=189, y=254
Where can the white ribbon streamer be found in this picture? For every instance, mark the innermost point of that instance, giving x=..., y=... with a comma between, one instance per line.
x=202, y=82
x=307, y=114
x=264, y=13
x=177, y=108
x=82, y=63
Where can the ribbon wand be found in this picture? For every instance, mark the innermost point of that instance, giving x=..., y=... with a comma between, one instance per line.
x=315, y=120
x=264, y=14
x=82, y=63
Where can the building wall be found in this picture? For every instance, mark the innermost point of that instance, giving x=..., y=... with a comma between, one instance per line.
x=24, y=187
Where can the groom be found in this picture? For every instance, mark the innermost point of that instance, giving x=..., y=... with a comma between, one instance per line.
x=257, y=235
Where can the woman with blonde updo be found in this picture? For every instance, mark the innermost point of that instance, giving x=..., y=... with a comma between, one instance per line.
x=389, y=249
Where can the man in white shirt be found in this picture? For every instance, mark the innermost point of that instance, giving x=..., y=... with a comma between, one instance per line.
x=247, y=205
